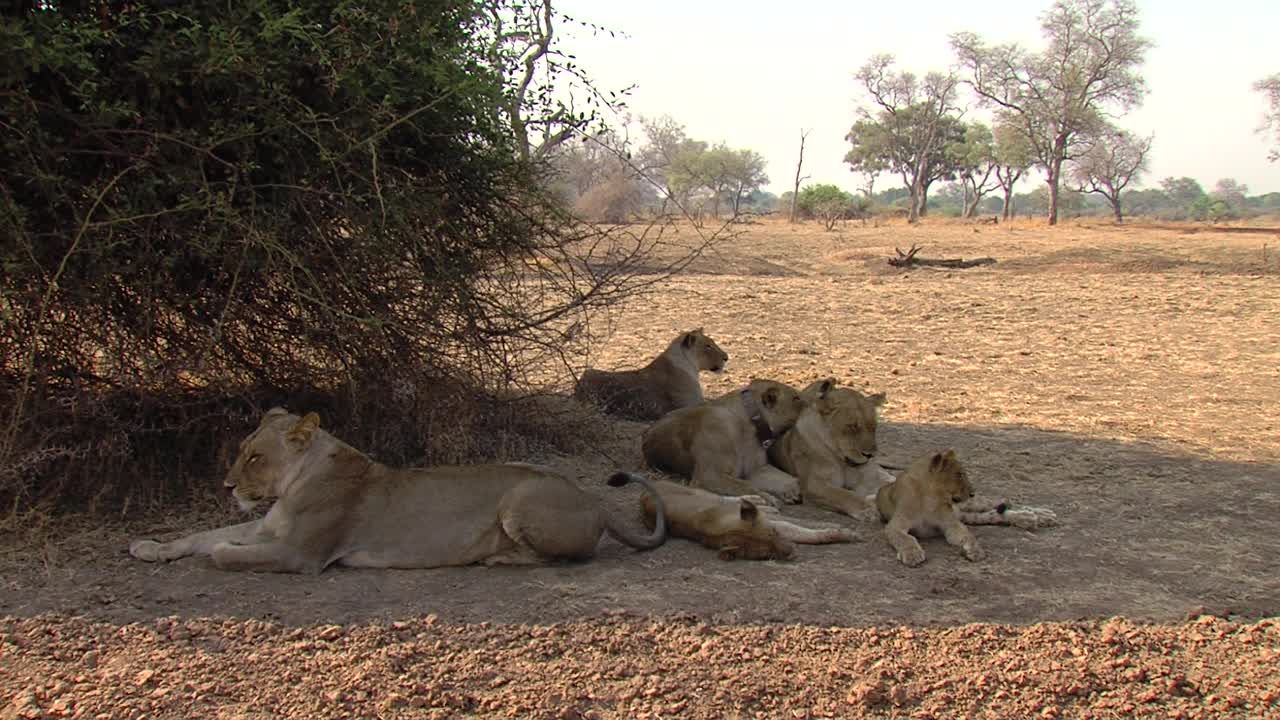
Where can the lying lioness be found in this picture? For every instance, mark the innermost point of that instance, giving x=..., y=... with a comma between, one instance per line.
x=720, y=445
x=739, y=527
x=831, y=447
x=333, y=504
x=667, y=383
x=934, y=495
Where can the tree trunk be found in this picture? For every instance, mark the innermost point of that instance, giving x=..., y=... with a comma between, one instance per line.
x=1115, y=208
x=964, y=184
x=1007, y=209
x=795, y=193
x=971, y=206
x=1053, y=192
x=914, y=215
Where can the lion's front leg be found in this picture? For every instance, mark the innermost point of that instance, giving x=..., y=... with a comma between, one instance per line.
x=201, y=543
x=957, y=534
x=711, y=478
x=776, y=482
x=908, y=548
x=829, y=497
x=273, y=556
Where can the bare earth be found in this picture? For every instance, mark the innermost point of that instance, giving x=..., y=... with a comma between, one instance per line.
x=1126, y=378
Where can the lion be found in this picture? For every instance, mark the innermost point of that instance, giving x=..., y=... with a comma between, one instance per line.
x=333, y=504
x=720, y=445
x=934, y=494
x=831, y=446
x=739, y=527
x=669, y=382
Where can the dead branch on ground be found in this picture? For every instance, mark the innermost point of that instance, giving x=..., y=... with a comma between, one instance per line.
x=909, y=259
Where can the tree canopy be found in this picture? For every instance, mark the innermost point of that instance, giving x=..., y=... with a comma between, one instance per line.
x=1088, y=68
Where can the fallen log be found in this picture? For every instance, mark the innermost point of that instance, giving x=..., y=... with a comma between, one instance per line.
x=909, y=259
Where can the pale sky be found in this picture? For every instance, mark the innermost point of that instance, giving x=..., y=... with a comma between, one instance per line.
x=752, y=74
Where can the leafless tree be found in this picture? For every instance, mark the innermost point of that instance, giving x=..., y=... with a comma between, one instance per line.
x=1114, y=159
x=1270, y=86
x=804, y=134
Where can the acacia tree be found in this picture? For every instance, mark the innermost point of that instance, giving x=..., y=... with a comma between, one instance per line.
x=1270, y=87
x=1055, y=96
x=1115, y=159
x=975, y=164
x=669, y=160
x=915, y=116
x=1013, y=157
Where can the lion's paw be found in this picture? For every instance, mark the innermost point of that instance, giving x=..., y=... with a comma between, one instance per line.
x=764, y=504
x=911, y=556
x=972, y=552
x=790, y=492
x=147, y=550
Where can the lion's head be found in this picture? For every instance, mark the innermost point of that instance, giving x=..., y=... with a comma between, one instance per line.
x=780, y=403
x=749, y=536
x=947, y=477
x=706, y=354
x=268, y=455
x=851, y=417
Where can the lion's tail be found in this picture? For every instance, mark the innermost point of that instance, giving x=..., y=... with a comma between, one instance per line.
x=629, y=536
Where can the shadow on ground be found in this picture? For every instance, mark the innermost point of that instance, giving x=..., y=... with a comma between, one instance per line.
x=1145, y=533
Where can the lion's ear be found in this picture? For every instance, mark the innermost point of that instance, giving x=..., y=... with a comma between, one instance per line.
x=300, y=435
x=276, y=411
x=942, y=460
x=770, y=397
x=689, y=339
x=877, y=399
x=748, y=511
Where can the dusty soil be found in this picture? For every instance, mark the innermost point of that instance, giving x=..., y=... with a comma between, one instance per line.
x=1126, y=378
x=633, y=668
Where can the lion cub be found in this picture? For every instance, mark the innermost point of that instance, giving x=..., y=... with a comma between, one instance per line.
x=667, y=383
x=739, y=527
x=922, y=502
x=721, y=445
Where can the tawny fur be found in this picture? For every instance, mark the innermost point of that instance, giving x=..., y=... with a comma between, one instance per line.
x=739, y=527
x=333, y=504
x=715, y=445
x=922, y=502
x=831, y=449
x=669, y=382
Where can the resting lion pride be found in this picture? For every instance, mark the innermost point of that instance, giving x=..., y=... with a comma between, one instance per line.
x=333, y=504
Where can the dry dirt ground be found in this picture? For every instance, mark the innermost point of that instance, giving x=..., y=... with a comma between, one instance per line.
x=1127, y=378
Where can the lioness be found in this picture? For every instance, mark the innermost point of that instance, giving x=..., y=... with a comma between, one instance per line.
x=739, y=527
x=720, y=445
x=667, y=383
x=831, y=447
x=335, y=504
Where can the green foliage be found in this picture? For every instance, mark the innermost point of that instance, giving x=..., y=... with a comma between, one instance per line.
x=830, y=204
x=208, y=207
x=720, y=173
